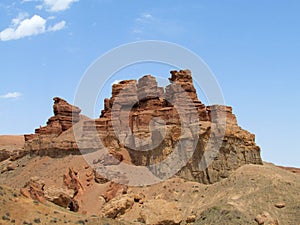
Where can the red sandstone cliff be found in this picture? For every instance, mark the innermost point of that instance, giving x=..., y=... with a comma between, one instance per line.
x=146, y=123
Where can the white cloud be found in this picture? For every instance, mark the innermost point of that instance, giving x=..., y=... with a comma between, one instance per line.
x=137, y=31
x=147, y=15
x=39, y=7
x=16, y=21
x=142, y=23
x=57, y=26
x=11, y=95
x=21, y=27
x=52, y=5
x=58, y=5
x=144, y=17
x=149, y=26
x=24, y=1
x=27, y=27
x=51, y=17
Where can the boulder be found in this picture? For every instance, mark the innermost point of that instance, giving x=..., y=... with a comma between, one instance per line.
x=62, y=197
x=160, y=212
x=114, y=190
x=34, y=189
x=266, y=219
x=117, y=207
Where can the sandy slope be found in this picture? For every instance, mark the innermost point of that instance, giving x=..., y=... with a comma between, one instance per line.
x=11, y=141
x=16, y=209
x=248, y=192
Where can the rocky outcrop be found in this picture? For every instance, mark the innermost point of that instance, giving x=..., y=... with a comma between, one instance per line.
x=266, y=218
x=72, y=181
x=12, y=155
x=150, y=122
x=114, y=190
x=50, y=138
x=238, y=148
x=168, y=130
x=34, y=189
x=8, y=167
x=117, y=207
x=65, y=116
x=61, y=197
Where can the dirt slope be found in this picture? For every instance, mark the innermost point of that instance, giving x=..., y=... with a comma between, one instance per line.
x=16, y=209
x=250, y=191
x=11, y=141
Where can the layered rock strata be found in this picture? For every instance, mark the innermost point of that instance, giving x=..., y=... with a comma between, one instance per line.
x=150, y=122
x=164, y=129
x=48, y=139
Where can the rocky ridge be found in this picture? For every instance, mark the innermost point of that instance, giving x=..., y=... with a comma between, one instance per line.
x=65, y=116
x=143, y=123
x=151, y=121
x=56, y=139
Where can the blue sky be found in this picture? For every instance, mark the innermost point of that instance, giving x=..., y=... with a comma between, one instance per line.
x=253, y=48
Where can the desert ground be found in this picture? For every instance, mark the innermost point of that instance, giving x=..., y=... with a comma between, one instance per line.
x=251, y=193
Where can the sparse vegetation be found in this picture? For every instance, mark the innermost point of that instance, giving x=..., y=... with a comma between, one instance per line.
x=4, y=217
x=37, y=220
x=36, y=202
x=254, y=189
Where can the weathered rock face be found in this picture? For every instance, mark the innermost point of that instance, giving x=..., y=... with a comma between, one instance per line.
x=72, y=182
x=35, y=189
x=147, y=125
x=65, y=116
x=114, y=190
x=12, y=155
x=149, y=122
x=238, y=148
x=117, y=207
x=62, y=197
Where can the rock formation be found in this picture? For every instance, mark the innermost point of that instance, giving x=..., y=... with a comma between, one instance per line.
x=65, y=115
x=114, y=190
x=151, y=124
x=117, y=207
x=44, y=140
x=36, y=189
